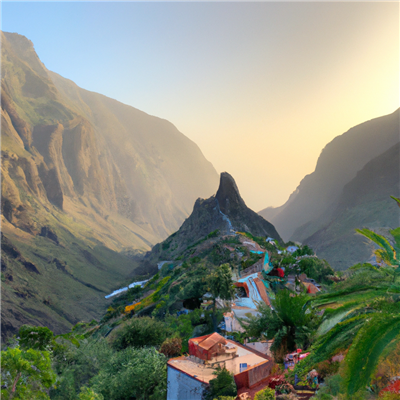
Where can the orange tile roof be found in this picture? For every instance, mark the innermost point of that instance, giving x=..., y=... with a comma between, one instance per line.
x=310, y=287
x=211, y=341
x=262, y=291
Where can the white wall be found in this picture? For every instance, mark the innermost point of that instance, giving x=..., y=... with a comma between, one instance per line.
x=262, y=347
x=183, y=387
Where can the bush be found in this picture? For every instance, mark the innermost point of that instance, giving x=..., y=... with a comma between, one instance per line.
x=139, y=332
x=331, y=387
x=225, y=398
x=390, y=396
x=266, y=394
x=326, y=368
x=325, y=396
x=171, y=347
x=222, y=385
x=88, y=394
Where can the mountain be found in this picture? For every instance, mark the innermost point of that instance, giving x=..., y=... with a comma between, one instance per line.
x=222, y=214
x=86, y=182
x=365, y=202
x=311, y=205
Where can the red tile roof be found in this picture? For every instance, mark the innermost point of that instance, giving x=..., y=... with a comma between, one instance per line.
x=211, y=341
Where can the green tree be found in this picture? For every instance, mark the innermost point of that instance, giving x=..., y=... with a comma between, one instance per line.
x=303, y=251
x=220, y=285
x=35, y=337
x=137, y=374
x=223, y=385
x=25, y=374
x=75, y=367
x=139, y=332
x=316, y=268
x=388, y=253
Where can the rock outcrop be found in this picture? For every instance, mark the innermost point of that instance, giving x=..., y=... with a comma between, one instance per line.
x=225, y=212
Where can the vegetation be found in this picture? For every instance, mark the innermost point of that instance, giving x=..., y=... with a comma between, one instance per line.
x=350, y=330
x=220, y=285
x=222, y=385
x=292, y=323
x=265, y=394
x=140, y=332
x=26, y=374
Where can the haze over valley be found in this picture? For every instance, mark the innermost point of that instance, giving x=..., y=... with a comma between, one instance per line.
x=200, y=201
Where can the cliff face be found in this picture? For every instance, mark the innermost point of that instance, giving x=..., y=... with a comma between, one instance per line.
x=364, y=202
x=96, y=173
x=91, y=146
x=314, y=200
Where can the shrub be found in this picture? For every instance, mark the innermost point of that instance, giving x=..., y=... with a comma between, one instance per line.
x=390, y=396
x=171, y=347
x=265, y=394
x=88, y=394
x=222, y=385
x=332, y=386
x=326, y=368
x=139, y=332
x=225, y=398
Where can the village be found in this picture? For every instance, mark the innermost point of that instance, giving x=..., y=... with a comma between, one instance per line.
x=251, y=363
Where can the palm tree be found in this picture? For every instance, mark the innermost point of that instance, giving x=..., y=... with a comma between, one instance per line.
x=292, y=323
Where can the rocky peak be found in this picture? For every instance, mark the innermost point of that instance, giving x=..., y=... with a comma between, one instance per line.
x=228, y=195
x=225, y=213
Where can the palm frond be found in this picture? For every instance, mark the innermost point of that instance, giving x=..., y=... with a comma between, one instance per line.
x=380, y=241
x=367, y=347
x=396, y=199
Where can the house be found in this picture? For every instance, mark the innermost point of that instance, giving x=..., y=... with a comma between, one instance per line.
x=291, y=249
x=189, y=376
x=309, y=284
x=263, y=346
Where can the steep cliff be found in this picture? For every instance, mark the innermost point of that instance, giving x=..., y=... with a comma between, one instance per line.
x=364, y=202
x=84, y=177
x=311, y=205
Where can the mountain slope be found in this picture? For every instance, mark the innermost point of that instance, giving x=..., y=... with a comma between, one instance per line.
x=84, y=177
x=164, y=171
x=364, y=202
x=226, y=212
x=316, y=197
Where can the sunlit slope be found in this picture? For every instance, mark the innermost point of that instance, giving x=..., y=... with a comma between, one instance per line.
x=81, y=182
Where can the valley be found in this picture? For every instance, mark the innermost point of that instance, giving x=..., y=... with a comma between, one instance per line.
x=131, y=269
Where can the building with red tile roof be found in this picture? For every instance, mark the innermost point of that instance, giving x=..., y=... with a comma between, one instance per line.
x=188, y=376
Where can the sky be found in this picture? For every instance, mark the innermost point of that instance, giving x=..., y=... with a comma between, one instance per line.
x=261, y=87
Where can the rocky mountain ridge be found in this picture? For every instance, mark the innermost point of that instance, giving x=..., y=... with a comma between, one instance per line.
x=364, y=202
x=86, y=182
x=311, y=205
x=222, y=214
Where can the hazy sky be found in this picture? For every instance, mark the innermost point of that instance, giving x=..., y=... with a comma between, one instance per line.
x=260, y=87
